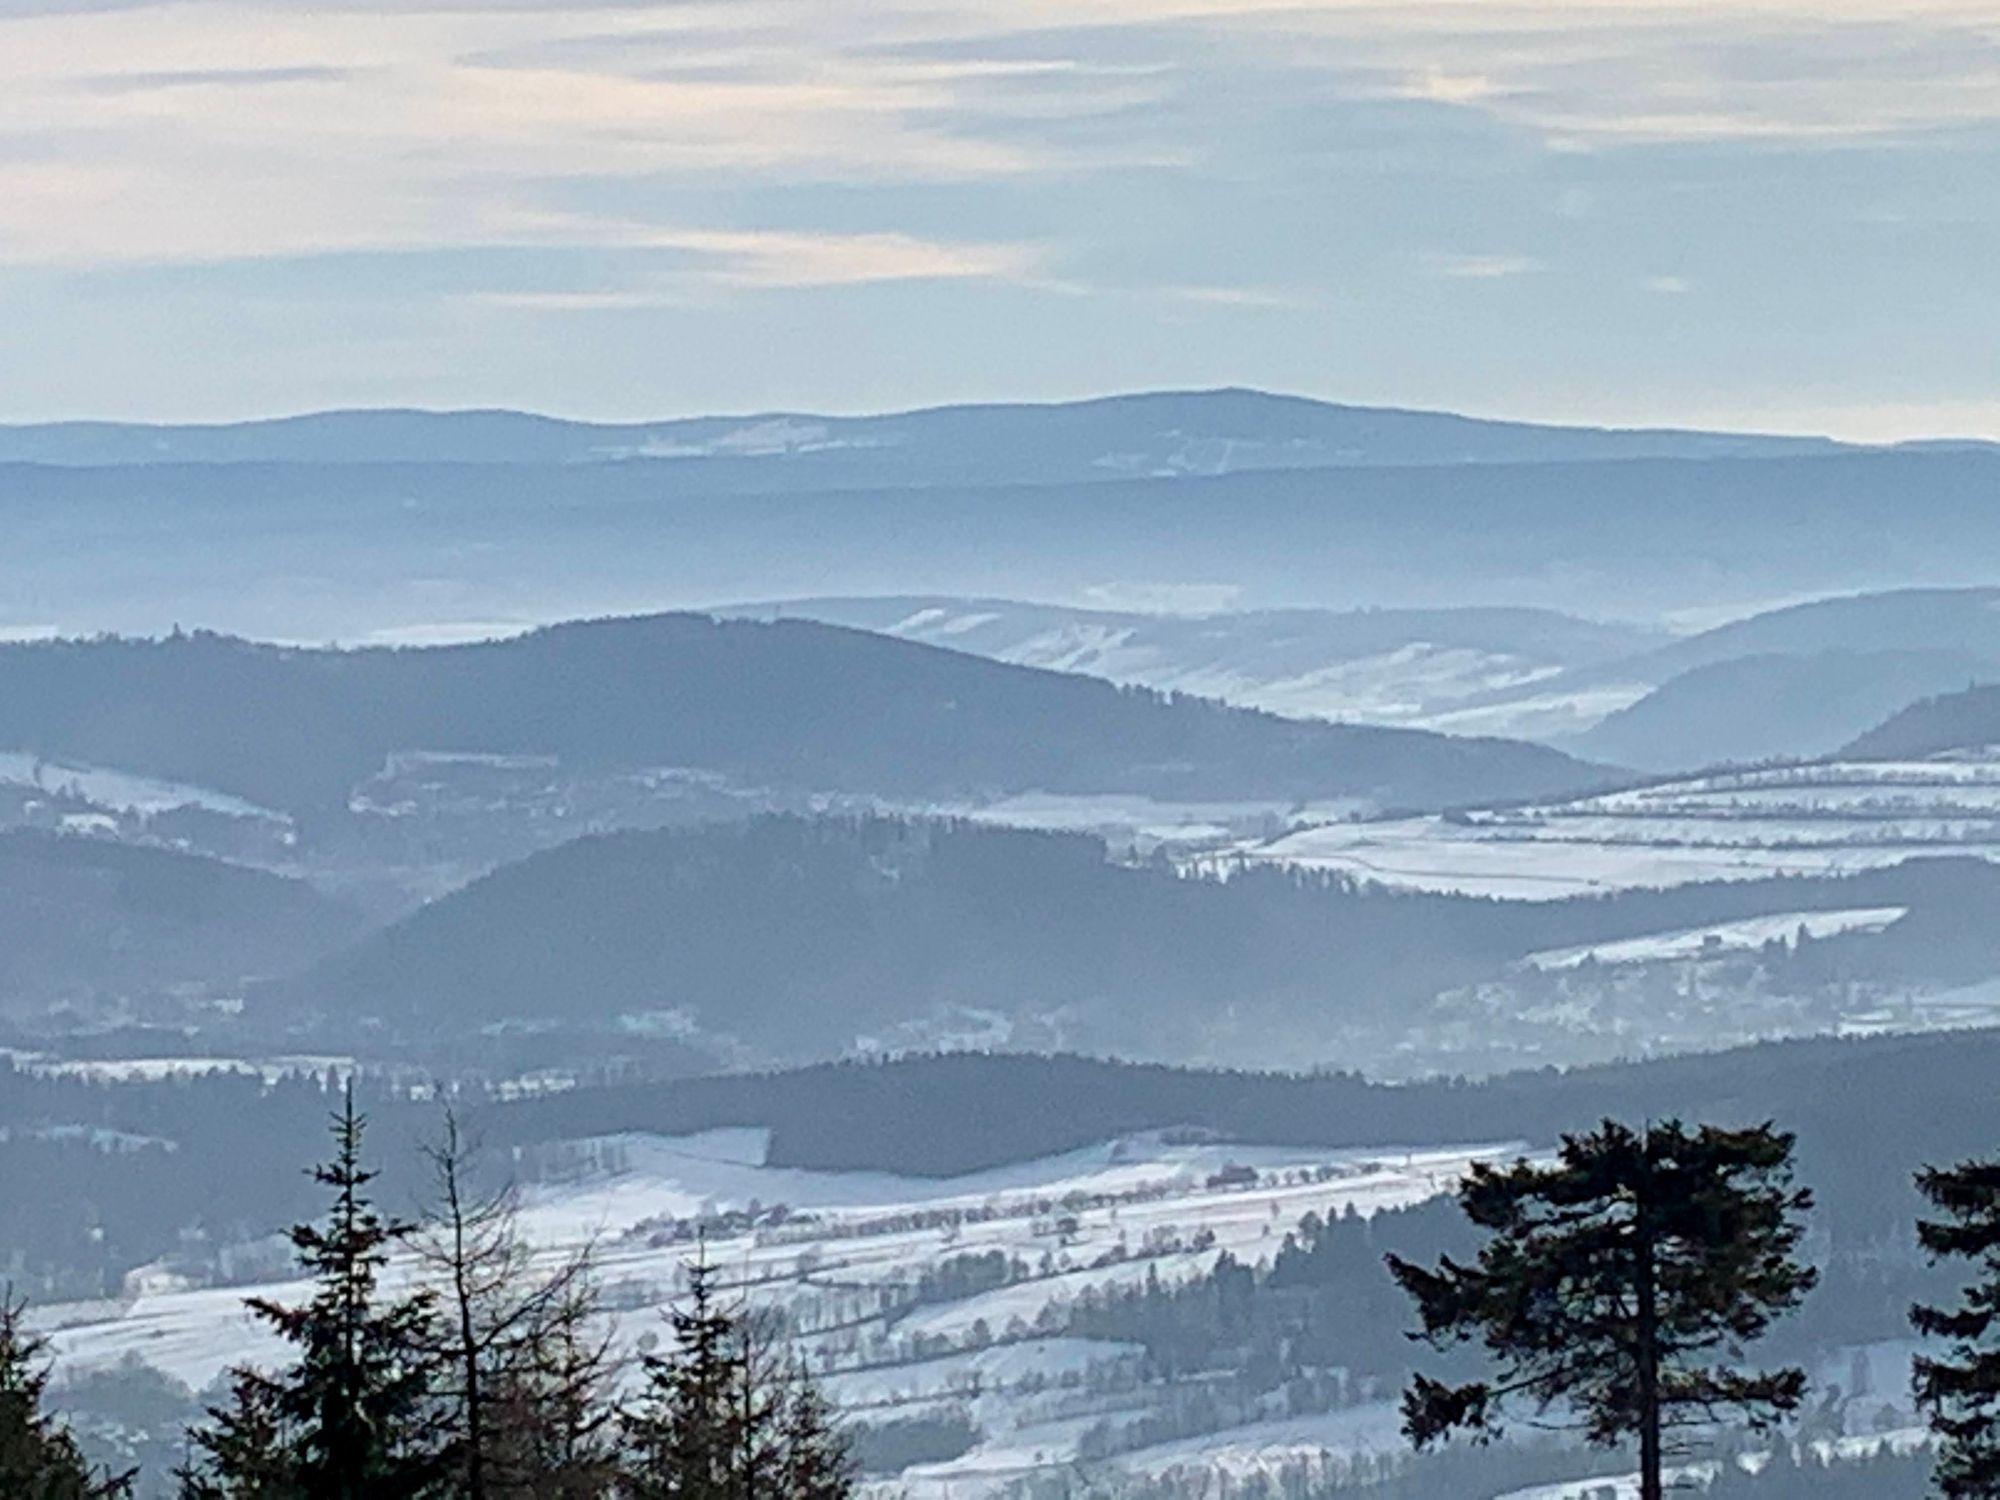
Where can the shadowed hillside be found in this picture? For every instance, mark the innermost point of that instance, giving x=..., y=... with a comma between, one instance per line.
x=794, y=703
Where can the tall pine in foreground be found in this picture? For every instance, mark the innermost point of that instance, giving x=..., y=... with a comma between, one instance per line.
x=1960, y=1390
x=1622, y=1283
x=39, y=1460
x=721, y=1418
x=353, y=1417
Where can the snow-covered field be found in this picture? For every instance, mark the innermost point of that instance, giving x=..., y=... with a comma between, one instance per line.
x=1821, y=819
x=122, y=791
x=1722, y=937
x=844, y=1261
x=1145, y=820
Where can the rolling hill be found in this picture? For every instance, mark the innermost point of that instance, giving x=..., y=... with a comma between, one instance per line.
x=83, y=918
x=791, y=703
x=1765, y=707
x=789, y=938
x=1424, y=668
x=1966, y=720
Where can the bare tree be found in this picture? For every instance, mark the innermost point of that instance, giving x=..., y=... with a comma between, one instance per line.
x=523, y=1368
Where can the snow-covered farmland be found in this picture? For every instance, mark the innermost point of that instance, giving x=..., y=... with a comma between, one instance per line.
x=1721, y=937
x=1820, y=819
x=843, y=1256
x=122, y=791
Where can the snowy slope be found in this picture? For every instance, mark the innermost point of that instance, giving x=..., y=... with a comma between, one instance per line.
x=844, y=1261
x=1466, y=671
x=1821, y=819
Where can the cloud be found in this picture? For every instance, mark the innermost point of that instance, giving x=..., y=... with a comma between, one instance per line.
x=1152, y=177
x=760, y=260
x=222, y=78
x=1481, y=267
x=392, y=123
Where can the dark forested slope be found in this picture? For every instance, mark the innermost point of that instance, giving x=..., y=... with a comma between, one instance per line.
x=80, y=916
x=800, y=937
x=1952, y=721
x=793, y=702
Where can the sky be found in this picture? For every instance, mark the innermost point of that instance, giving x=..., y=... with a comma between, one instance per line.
x=1777, y=214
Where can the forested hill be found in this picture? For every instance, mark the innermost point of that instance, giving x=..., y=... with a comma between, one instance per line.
x=1867, y=1112
x=793, y=702
x=1953, y=721
x=796, y=938
x=80, y=915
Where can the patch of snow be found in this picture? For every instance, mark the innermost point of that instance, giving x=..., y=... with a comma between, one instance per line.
x=1722, y=937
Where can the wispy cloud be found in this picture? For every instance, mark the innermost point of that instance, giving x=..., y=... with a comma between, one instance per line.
x=758, y=260
x=1149, y=180
x=1480, y=267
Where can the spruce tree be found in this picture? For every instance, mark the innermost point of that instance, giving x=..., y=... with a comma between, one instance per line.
x=815, y=1463
x=686, y=1436
x=248, y=1450
x=723, y=1419
x=1960, y=1391
x=554, y=1436
x=353, y=1417
x=1622, y=1282
x=39, y=1460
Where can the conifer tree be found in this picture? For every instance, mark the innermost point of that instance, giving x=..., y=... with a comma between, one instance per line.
x=39, y=1460
x=1622, y=1282
x=554, y=1435
x=816, y=1464
x=1960, y=1390
x=685, y=1436
x=353, y=1417
x=722, y=1419
x=248, y=1450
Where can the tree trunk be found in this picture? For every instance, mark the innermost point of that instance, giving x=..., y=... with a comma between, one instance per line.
x=1646, y=1335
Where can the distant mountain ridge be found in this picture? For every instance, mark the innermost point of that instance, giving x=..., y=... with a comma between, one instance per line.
x=1147, y=434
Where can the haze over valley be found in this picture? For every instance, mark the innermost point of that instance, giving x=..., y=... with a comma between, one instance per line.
x=1136, y=750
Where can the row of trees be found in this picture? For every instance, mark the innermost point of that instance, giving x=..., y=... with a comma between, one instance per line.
x=486, y=1375
x=1619, y=1287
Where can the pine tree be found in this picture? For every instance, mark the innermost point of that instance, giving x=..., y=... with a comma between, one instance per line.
x=555, y=1438
x=685, y=1437
x=816, y=1461
x=1621, y=1282
x=248, y=1450
x=1960, y=1392
x=353, y=1418
x=39, y=1460
x=723, y=1419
